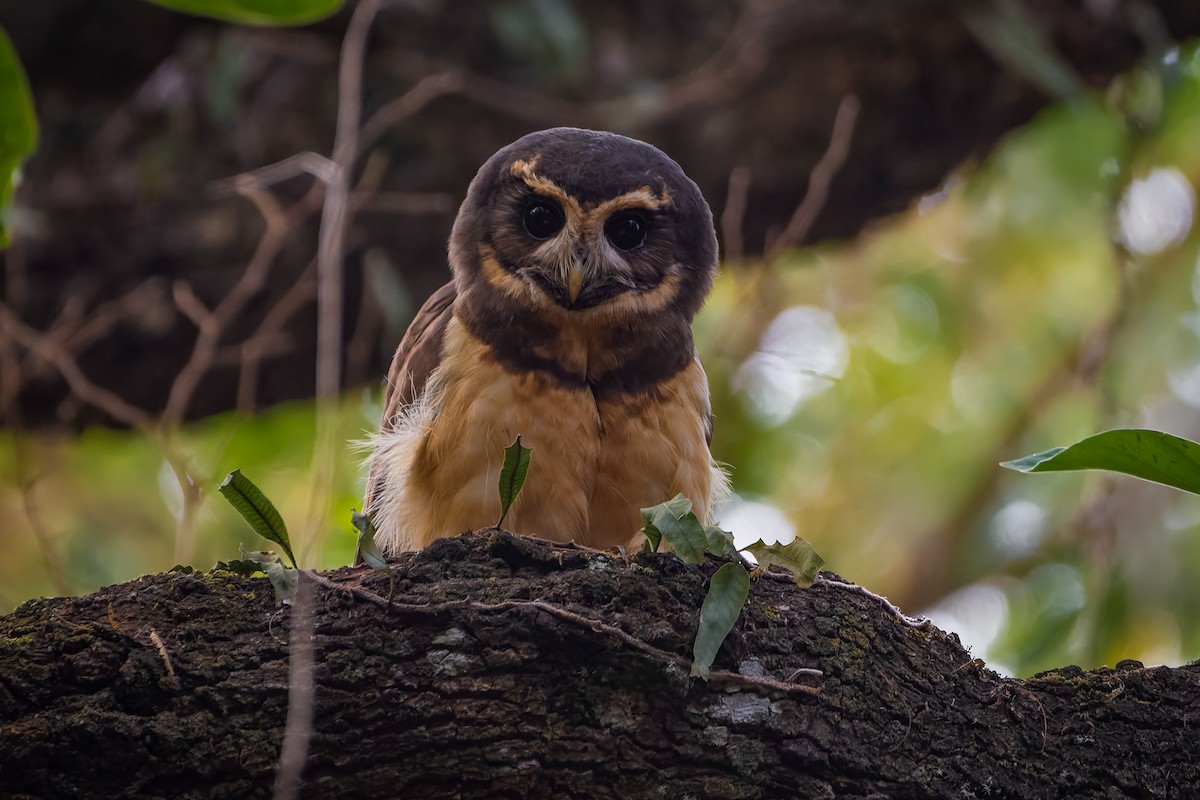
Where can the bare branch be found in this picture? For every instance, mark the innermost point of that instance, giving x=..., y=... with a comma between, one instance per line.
x=212, y=324
x=424, y=92
x=55, y=568
x=333, y=216
x=734, y=215
x=739, y=60
x=192, y=307
x=260, y=343
x=308, y=163
x=53, y=352
x=301, y=688
x=102, y=319
x=166, y=657
x=821, y=177
x=716, y=677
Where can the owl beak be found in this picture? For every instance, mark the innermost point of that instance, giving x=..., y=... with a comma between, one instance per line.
x=574, y=280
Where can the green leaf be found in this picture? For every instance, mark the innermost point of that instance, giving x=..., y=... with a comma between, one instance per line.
x=727, y=593
x=1008, y=32
x=720, y=542
x=673, y=509
x=1149, y=455
x=245, y=569
x=687, y=538
x=368, y=551
x=512, y=475
x=285, y=580
x=257, y=12
x=18, y=127
x=675, y=522
x=259, y=512
x=797, y=557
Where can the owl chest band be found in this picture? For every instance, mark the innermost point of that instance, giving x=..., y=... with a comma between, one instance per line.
x=594, y=464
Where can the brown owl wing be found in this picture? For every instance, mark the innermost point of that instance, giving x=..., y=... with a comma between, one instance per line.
x=418, y=355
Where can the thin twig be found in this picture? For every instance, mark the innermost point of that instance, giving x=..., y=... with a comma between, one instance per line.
x=815, y=196
x=330, y=270
x=333, y=215
x=734, y=215
x=307, y=163
x=271, y=327
x=54, y=353
x=166, y=657
x=911, y=622
x=191, y=490
x=192, y=306
x=821, y=177
x=106, y=316
x=424, y=92
x=808, y=671
x=717, y=677
x=211, y=324
x=301, y=691
x=567, y=546
x=50, y=553
x=740, y=59
x=736, y=63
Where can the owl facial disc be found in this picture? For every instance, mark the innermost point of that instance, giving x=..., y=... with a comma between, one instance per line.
x=589, y=224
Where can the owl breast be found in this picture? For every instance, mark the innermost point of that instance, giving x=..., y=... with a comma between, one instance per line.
x=595, y=463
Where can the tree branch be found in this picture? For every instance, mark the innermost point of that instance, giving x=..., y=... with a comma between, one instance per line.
x=507, y=666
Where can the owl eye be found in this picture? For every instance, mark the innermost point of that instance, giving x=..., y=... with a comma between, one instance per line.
x=542, y=218
x=626, y=230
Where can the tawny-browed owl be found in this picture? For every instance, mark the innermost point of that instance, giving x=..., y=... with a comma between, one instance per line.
x=578, y=259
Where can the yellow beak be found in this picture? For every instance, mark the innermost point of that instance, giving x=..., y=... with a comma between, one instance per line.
x=574, y=280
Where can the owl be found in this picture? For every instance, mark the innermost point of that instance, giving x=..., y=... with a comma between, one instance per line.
x=578, y=260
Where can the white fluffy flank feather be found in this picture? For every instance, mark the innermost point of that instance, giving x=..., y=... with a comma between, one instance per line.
x=394, y=453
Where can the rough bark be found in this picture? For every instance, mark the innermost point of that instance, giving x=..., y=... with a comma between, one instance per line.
x=120, y=185
x=507, y=667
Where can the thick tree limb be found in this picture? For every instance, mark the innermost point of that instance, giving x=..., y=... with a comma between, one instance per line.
x=507, y=667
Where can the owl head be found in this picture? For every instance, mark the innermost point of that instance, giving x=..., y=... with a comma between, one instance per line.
x=585, y=227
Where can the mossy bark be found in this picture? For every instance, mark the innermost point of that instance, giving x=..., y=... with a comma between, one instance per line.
x=506, y=667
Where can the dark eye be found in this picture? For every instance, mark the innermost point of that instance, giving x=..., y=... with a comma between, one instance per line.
x=626, y=230
x=543, y=218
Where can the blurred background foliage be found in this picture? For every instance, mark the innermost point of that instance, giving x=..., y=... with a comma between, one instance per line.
x=1038, y=297
x=864, y=391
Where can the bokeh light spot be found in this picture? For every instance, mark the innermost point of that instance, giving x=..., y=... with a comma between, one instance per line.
x=802, y=353
x=1156, y=211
